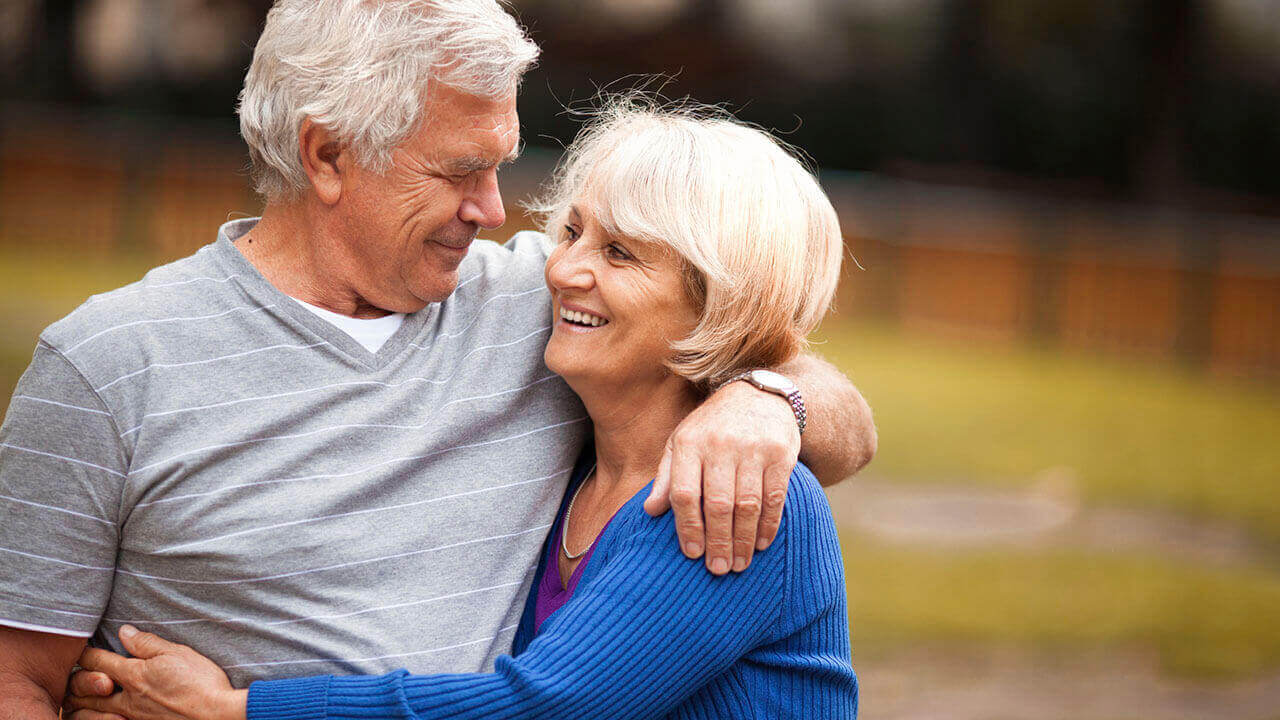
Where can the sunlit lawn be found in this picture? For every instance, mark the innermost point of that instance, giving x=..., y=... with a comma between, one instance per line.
x=1204, y=622
x=1134, y=433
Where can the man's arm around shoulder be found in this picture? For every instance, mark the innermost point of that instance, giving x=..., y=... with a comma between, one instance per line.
x=34, y=667
x=841, y=438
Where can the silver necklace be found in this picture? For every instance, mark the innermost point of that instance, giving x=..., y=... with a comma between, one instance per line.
x=564, y=531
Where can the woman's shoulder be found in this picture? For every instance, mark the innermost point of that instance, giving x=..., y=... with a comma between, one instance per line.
x=815, y=579
x=806, y=515
x=807, y=505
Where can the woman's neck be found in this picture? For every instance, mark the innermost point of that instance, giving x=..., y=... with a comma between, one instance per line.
x=632, y=422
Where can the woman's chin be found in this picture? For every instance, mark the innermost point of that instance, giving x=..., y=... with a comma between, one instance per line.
x=564, y=363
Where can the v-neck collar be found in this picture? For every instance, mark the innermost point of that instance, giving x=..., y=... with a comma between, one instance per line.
x=261, y=290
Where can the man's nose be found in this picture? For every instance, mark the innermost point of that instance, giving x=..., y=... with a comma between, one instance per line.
x=483, y=206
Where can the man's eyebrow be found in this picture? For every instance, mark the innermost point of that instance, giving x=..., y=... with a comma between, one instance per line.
x=470, y=164
x=475, y=163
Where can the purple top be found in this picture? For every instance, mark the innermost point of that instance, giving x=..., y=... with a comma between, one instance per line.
x=551, y=595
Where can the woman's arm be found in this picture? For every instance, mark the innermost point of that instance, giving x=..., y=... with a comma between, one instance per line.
x=642, y=633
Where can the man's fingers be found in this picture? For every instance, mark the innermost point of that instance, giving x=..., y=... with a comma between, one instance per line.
x=144, y=645
x=86, y=682
x=105, y=661
x=776, y=478
x=659, y=500
x=746, y=513
x=92, y=715
x=719, y=486
x=686, y=500
x=112, y=704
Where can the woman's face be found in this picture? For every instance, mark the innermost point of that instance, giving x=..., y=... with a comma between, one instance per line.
x=618, y=304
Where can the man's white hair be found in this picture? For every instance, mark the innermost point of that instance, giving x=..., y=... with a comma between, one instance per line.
x=361, y=68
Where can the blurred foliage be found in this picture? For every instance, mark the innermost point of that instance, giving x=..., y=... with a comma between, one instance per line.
x=1145, y=98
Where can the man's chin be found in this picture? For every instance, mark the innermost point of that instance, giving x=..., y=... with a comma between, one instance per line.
x=438, y=289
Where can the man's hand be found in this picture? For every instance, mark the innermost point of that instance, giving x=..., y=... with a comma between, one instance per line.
x=162, y=681
x=728, y=461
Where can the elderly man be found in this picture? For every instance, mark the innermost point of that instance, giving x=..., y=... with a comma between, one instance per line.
x=327, y=442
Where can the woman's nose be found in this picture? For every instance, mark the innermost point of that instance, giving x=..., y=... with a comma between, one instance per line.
x=567, y=268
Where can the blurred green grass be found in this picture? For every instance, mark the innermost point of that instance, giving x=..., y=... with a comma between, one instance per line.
x=1136, y=433
x=1140, y=433
x=1204, y=622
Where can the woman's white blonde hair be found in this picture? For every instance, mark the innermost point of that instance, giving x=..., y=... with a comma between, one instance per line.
x=759, y=241
x=362, y=68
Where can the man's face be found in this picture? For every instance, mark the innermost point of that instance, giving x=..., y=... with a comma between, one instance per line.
x=408, y=230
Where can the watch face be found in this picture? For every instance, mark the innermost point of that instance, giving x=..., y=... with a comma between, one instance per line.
x=772, y=381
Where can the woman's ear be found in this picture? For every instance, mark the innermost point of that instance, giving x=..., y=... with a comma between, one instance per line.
x=321, y=155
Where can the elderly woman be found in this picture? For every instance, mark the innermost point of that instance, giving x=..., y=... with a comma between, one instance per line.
x=691, y=249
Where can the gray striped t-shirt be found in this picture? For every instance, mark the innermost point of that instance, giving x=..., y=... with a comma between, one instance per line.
x=199, y=455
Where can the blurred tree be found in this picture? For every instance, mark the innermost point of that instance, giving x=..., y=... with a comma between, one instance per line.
x=1153, y=99
x=51, y=73
x=962, y=78
x=1169, y=47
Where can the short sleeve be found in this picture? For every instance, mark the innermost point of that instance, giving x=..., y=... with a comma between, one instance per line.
x=62, y=469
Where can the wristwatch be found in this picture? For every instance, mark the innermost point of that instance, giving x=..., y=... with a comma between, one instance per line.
x=770, y=381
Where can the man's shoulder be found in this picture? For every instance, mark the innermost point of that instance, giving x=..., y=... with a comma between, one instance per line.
x=502, y=285
x=190, y=286
x=515, y=261
x=807, y=508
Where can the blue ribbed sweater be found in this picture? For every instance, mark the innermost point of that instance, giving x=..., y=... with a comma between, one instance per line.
x=648, y=633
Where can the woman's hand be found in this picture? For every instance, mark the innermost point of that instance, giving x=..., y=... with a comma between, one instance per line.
x=162, y=681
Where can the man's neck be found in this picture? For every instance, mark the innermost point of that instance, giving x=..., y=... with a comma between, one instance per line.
x=632, y=422
x=304, y=260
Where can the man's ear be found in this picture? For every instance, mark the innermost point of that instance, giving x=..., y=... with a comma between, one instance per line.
x=321, y=155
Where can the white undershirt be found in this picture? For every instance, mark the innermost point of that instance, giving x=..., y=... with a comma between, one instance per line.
x=372, y=333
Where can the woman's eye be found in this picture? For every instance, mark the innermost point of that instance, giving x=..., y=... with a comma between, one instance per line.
x=616, y=252
x=570, y=234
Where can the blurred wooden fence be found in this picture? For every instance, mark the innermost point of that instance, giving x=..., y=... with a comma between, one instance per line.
x=114, y=184
x=973, y=264
x=1131, y=280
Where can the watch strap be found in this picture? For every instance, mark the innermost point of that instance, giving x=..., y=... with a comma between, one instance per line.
x=794, y=398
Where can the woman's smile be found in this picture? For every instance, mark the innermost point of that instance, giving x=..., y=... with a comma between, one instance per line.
x=581, y=318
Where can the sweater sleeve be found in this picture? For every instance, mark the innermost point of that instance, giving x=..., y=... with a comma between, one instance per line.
x=643, y=632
